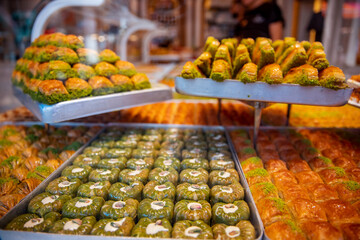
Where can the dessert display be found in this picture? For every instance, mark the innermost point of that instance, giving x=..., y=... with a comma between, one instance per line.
x=58, y=67
x=148, y=197
x=305, y=183
x=282, y=61
x=29, y=154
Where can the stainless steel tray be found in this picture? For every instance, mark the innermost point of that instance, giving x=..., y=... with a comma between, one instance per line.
x=88, y=106
x=354, y=103
x=21, y=208
x=263, y=92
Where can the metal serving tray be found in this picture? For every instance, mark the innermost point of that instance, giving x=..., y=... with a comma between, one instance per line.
x=263, y=92
x=88, y=106
x=354, y=103
x=21, y=208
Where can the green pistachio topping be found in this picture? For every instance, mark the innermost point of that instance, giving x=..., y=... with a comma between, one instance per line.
x=352, y=185
x=257, y=172
x=326, y=160
x=339, y=171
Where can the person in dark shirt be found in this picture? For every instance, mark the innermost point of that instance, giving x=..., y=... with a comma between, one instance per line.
x=258, y=18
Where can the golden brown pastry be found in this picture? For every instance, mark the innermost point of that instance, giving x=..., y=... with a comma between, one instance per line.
x=333, y=175
x=275, y=165
x=19, y=173
x=269, y=154
x=332, y=77
x=251, y=164
x=298, y=165
x=356, y=205
x=331, y=153
x=263, y=190
x=310, y=153
x=257, y=176
x=284, y=230
x=344, y=162
x=354, y=174
x=339, y=212
x=9, y=201
x=271, y=74
x=348, y=191
x=101, y=85
x=27, y=186
x=54, y=91
x=248, y=73
x=290, y=154
x=293, y=192
x=308, y=178
x=306, y=210
x=320, y=230
x=78, y=87
x=350, y=230
x=320, y=163
x=283, y=178
x=265, y=145
x=272, y=210
x=320, y=192
x=292, y=57
x=305, y=75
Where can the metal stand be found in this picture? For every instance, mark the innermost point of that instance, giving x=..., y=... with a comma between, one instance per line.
x=288, y=114
x=257, y=119
x=219, y=111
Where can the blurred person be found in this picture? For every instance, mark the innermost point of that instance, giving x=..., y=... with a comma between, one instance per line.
x=258, y=18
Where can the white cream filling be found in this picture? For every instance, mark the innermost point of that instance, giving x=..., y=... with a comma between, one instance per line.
x=164, y=173
x=194, y=206
x=161, y=188
x=194, y=173
x=153, y=228
x=33, y=222
x=119, y=151
x=86, y=159
x=113, y=160
x=168, y=162
x=83, y=203
x=114, y=226
x=229, y=208
x=226, y=189
x=96, y=186
x=217, y=155
x=224, y=174
x=106, y=172
x=194, y=160
x=118, y=204
x=140, y=162
x=194, y=188
x=223, y=162
x=49, y=199
x=76, y=170
x=95, y=149
x=157, y=205
x=65, y=184
x=72, y=224
x=232, y=231
x=135, y=172
x=193, y=231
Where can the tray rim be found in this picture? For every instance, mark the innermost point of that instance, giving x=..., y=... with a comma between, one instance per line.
x=41, y=187
x=52, y=113
x=277, y=89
